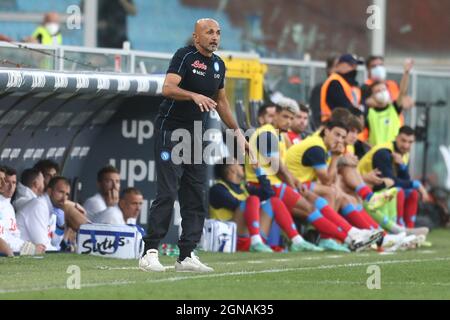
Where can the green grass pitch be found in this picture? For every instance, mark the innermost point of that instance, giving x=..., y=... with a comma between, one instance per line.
x=416, y=274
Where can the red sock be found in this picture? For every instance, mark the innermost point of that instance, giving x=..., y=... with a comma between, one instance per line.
x=326, y=227
x=251, y=214
x=400, y=207
x=355, y=217
x=283, y=217
x=288, y=195
x=373, y=224
x=336, y=218
x=411, y=203
x=364, y=191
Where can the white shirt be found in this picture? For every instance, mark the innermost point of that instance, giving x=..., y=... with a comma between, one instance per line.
x=37, y=223
x=23, y=196
x=8, y=225
x=99, y=212
x=112, y=215
x=8, y=217
x=94, y=205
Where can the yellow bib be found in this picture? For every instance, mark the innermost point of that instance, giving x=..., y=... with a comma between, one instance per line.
x=350, y=149
x=294, y=158
x=270, y=173
x=225, y=214
x=365, y=165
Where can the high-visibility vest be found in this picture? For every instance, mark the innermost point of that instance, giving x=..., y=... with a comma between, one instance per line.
x=353, y=94
x=271, y=174
x=384, y=125
x=47, y=38
x=225, y=214
x=365, y=165
x=295, y=154
x=394, y=92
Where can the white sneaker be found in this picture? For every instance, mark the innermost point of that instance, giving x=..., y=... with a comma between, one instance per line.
x=410, y=242
x=392, y=242
x=28, y=249
x=362, y=239
x=150, y=262
x=423, y=231
x=192, y=264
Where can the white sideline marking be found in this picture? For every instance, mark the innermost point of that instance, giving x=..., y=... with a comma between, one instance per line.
x=125, y=268
x=339, y=282
x=282, y=260
x=427, y=251
x=238, y=273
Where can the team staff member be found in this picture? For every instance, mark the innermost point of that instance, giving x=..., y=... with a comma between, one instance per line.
x=341, y=88
x=384, y=117
x=49, y=32
x=194, y=85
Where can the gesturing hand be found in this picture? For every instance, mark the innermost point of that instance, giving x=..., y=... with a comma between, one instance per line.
x=204, y=103
x=408, y=65
x=112, y=197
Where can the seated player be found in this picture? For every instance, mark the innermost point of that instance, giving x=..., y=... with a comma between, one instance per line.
x=269, y=148
x=391, y=160
x=31, y=186
x=126, y=212
x=299, y=127
x=253, y=209
x=352, y=183
x=10, y=235
x=41, y=224
x=107, y=198
x=311, y=163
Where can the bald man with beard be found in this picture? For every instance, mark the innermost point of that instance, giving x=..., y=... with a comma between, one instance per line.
x=193, y=87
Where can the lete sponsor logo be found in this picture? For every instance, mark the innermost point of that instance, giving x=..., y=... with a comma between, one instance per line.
x=123, y=84
x=199, y=65
x=61, y=81
x=15, y=79
x=38, y=81
x=103, y=83
x=82, y=82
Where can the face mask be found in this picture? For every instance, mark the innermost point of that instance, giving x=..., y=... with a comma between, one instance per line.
x=378, y=73
x=352, y=74
x=52, y=28
x=383, y=97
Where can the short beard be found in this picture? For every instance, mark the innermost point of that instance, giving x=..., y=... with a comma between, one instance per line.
x=208, y=49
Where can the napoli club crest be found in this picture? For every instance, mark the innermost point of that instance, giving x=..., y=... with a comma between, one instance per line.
x=165, y=156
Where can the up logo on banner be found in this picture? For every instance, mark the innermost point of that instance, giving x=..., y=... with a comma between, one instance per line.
x=142, y=130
